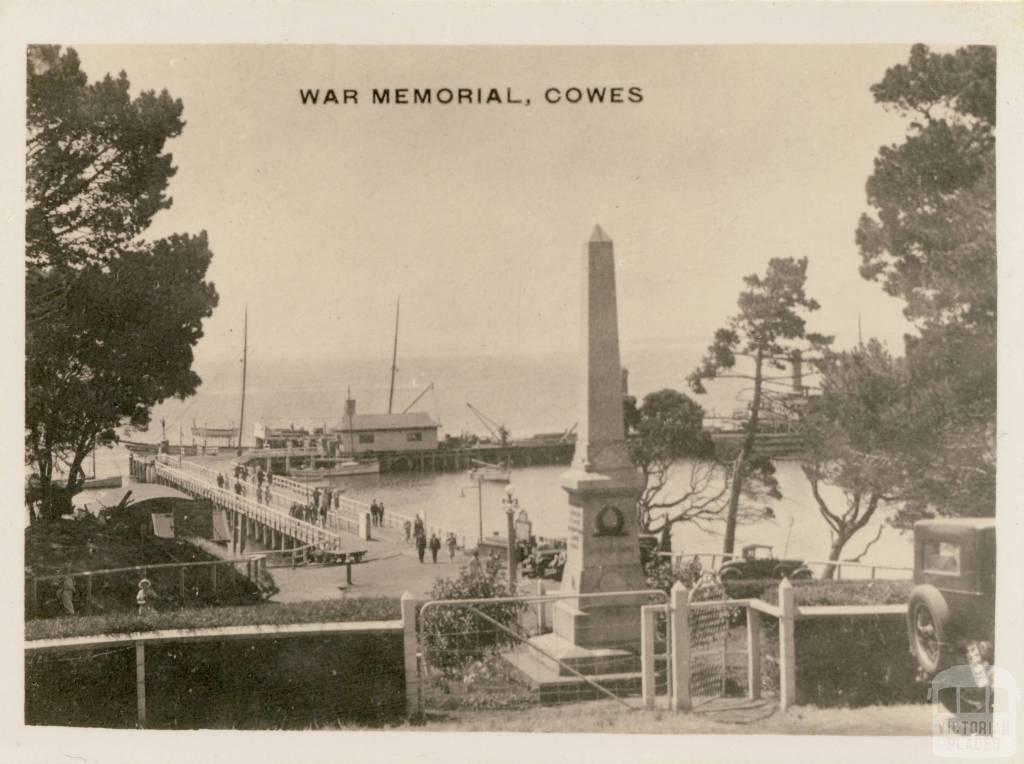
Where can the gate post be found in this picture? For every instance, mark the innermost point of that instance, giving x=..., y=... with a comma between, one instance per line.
x=648, y=614
x=542, y=621
x=787, y=645
x=410, y=649
x=680, y=648
x=140, y=684
x=753, y=653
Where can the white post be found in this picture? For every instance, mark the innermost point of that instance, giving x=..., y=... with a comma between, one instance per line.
x=680, y=648
x=648, y=615
x=140, y=683
x=542, y=621
x=787, y=645
x=410, y=649
x=753, y=653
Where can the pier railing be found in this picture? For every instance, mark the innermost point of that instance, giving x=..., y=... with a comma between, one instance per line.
x=344, y=517
x=281, y=498
x=271, y=516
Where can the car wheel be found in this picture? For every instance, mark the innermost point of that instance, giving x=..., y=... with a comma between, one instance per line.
x=729, y=574
x=928, y=617
x=779, y=572
x=802, y=574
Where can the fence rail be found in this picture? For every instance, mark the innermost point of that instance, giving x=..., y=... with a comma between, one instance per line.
x=174, y=579
x=713, y=560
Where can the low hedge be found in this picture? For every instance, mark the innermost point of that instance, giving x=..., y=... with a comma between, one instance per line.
x=855, y=661
x=355, y=609
x=811, y=593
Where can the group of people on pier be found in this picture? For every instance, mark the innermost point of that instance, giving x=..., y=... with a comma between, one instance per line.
x=416, y=533
x=377, y=513
x=322, y=500
x=245, y=479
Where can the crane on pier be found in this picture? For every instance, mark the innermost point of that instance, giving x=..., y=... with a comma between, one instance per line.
x=417, y=398
x=498, y=431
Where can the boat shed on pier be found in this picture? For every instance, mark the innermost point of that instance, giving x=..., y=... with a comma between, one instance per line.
x=358, y=434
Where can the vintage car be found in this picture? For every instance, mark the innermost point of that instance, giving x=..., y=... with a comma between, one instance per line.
x=545, y=560
x=649, y=543
x=759, y=561
x=951, y=615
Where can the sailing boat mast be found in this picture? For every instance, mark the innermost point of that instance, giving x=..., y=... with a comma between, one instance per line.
x=245, y=353
x=394, y=357
x=349, y=407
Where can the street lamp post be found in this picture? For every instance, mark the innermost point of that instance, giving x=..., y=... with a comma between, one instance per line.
x=480, y=508
x=511, y=504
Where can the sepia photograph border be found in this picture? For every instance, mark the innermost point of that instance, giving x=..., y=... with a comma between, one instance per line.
x=520, y=24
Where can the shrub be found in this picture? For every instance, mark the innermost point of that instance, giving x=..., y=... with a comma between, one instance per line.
x=453, y=636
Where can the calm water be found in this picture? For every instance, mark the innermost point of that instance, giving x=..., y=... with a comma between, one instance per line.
x=450, y=500
x=528, y=395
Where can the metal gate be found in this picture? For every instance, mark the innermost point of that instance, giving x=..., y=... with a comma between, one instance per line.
x=500, y=653
x=724, y=661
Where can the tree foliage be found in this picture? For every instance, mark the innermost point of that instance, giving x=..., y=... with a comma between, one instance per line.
x=684, y=481
x=96, y=171
x=930, y=240
x=111, y=318
x=854, y=434
x=768, y=329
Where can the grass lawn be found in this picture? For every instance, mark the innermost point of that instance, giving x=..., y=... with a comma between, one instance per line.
x=611, y=717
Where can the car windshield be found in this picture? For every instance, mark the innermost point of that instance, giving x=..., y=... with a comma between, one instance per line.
x=942, y=557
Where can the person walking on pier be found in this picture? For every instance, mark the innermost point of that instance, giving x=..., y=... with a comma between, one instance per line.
x=452, y=543
x=380, y=514
x=421, y=546
x=435, y=546
x=417, y=530
x=408, y=532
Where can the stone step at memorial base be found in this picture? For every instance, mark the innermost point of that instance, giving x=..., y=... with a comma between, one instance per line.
x=617, y=671
x=557, y=653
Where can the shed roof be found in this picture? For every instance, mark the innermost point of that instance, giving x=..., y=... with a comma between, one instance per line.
x=408, y=421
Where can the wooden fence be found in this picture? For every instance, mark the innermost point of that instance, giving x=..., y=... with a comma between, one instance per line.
x=100, y=644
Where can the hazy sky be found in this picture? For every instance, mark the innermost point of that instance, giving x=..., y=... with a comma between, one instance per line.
x=320, y=217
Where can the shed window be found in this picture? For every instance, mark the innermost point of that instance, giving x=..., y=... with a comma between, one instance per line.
x=414, y=437
x=366, y=437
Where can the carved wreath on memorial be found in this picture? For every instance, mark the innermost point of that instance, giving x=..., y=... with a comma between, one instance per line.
x=610, y=522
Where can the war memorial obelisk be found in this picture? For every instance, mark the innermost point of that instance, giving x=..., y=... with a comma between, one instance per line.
x=602, y=484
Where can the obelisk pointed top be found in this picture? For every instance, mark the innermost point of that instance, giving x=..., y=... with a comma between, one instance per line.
x=599, y=236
